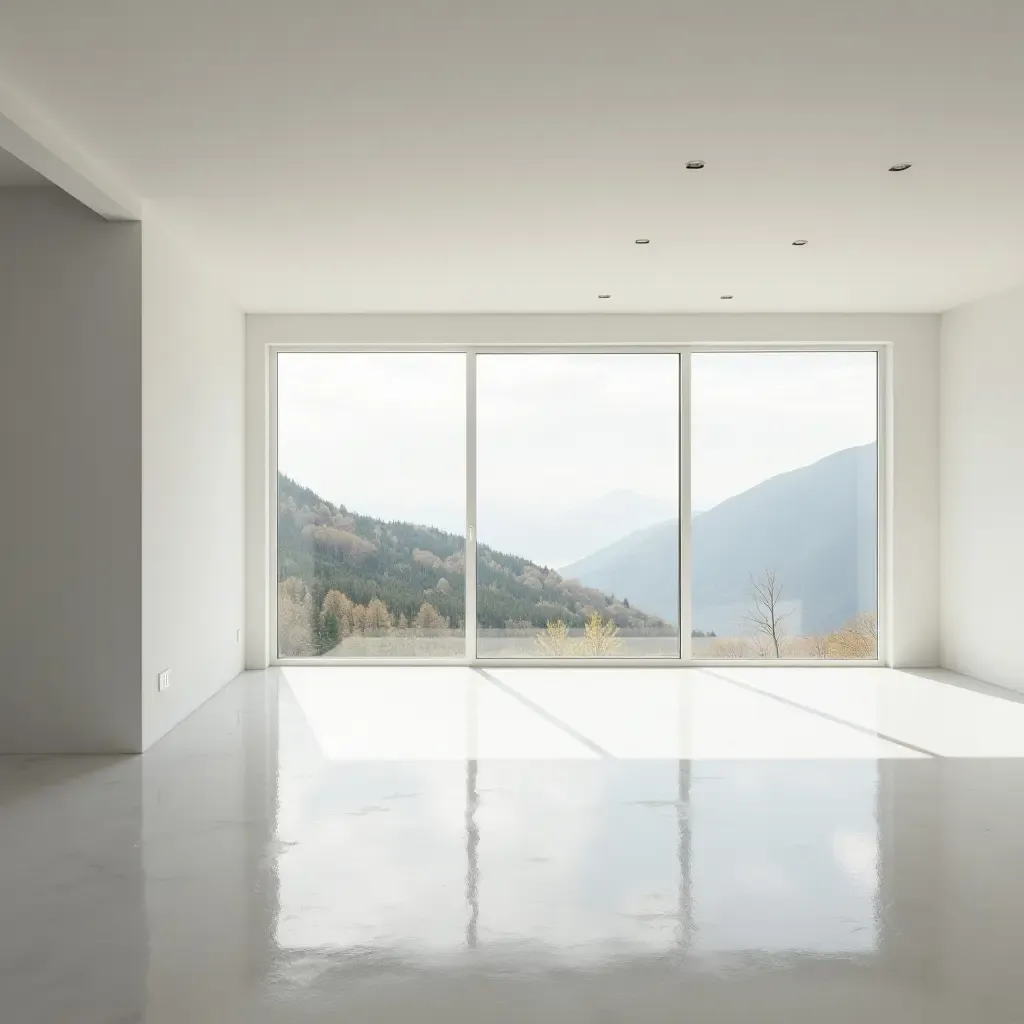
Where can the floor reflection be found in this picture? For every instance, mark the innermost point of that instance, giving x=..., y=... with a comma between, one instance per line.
x=242, y=871
x=579, y=861
x=785, y=859
x=572, y=860
x=472, y=856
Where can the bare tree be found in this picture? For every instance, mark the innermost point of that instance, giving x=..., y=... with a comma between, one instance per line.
x=766, y=615
x=761, y=646
x=820, y=645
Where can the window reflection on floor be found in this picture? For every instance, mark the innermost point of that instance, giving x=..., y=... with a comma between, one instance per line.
x=582, y=859
x=369, y=855
x=784, y=858
x=574, y=861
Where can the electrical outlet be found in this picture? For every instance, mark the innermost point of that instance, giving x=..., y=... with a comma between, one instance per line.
x=163, y=681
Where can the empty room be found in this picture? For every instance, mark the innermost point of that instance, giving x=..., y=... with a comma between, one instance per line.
x=512, y=512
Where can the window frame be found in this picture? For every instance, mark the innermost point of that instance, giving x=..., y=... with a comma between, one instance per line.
x=685, y=659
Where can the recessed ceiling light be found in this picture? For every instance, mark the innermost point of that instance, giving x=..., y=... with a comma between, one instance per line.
x=643, y=241
x=800, y=241
x=604, y=296
x=900, y=167
x=694, y=165
x=726, y=296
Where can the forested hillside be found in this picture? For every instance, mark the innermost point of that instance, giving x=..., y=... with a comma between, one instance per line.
x=342, y=573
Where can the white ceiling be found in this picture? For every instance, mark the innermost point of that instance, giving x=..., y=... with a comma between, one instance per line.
x=442, y=155
x=14, y=173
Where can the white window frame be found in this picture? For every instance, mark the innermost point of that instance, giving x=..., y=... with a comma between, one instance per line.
x=684, y=351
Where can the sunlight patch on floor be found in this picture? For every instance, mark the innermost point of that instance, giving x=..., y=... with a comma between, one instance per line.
x=444, y=713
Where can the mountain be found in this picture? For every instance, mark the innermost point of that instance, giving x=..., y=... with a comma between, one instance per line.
x=642, y=566
x=399, y=568
x=550, y=535
x=815, y=525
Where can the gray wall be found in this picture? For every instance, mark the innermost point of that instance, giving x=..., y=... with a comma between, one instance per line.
x=122, y=530
x=71, y=466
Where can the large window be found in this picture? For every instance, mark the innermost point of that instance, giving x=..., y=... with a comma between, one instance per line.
x=371, y=503
x=527, y=505
x=578, y=506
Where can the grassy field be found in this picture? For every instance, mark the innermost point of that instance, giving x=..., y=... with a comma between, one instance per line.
x=498, y=644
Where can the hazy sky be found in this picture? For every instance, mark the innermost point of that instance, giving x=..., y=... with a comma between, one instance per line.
x=384, y=434
x=756, y=415
x=563, y=430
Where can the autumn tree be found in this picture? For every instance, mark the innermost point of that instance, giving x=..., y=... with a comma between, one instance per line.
x=294, y=619
x=376, y=619
x=428, y=618
x=554, y=642
x=857, y=638
x=358, y=619
x=338, y=606
x=600, y=638
x=765, y=612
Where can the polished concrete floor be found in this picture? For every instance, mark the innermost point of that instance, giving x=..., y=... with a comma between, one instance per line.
x=778, y=846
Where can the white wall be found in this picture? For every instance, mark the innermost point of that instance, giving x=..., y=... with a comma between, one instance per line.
x=193, y=565
x=912, y=455
x=982, y=489
x=913, y=451
x=70, y=462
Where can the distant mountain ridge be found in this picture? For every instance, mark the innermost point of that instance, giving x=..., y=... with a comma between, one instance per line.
x=815, y=525
x=554, y=536
x=643, y=567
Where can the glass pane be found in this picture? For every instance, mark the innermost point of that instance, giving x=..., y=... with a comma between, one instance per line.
x=784, y=475
x=371, y=505
x=578, y=506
